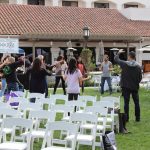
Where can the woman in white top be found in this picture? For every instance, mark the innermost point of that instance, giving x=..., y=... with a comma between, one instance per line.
x=73, y=77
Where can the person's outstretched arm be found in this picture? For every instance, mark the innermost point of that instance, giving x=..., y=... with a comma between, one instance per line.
x=118, y=60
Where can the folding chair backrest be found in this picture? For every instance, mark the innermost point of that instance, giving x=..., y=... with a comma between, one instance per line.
x=4, y=105
x=108, y=104
x=60, y=126
x=84, y=117
x=62, y=108
x=87, y=98
x=17, y=122
x=17, y=99
x=56, y=97
x=29, y=106
x=45, y=101
x=103, y=111
x=78, y=104
x=112, y=98
x=36, y=95
x=8, y=112
x=19, y=93
x=42, y=114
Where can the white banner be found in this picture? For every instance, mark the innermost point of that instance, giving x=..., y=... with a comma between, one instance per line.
x=9, y=45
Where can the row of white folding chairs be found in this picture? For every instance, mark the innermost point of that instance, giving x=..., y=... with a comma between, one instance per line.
x=24, y=106
x=82, y=139
x=59, y=108
x=14, y=123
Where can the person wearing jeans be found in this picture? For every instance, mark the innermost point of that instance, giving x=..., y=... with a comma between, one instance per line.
x=61, y=66
x=108, y=79
x=4, y=86
x=9, y=72
x=131, y=76
x=106, y=68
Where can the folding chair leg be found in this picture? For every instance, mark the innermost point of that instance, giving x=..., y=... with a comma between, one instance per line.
x=32, y=143
x=93, y=146
x=78, y=146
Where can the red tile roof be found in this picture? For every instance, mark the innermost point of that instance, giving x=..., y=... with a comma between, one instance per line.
x=25, y=19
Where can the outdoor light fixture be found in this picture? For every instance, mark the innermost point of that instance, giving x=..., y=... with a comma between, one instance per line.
x=86, y=32
x=86, y=35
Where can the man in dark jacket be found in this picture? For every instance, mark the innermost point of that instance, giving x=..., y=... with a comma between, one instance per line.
x=131, y=76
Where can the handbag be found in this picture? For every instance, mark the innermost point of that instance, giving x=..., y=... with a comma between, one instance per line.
x=109, y=141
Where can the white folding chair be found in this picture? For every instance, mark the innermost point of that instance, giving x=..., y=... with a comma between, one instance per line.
x=102, y=113
x=19, y=93
x=64, y=109
x=87, y=121
x=24, y=107
x=70, y=128
x=14, y=123
x=97, y=81
x=87, y=99
x=8, y=113
x=56, y=97
x=4, y=105
x=78, y=105
x=35, y=95
x=37, y=116
x=17, y=100
x=110, y=117
x=44, y=102
x=116, y=101
x=112, y=98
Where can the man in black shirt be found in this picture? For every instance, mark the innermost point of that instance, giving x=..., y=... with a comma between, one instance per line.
x=9, y=72
x=131, y=76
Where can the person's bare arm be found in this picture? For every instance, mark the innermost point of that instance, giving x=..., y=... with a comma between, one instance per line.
x=101, y=68
x=110, y=67
x=3, y=64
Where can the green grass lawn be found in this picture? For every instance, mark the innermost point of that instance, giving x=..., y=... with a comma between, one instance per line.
x=139, y=138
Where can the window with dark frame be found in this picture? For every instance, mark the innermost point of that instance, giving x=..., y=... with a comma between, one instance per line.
x=101, y=5
x=130, y=6
x=36, y=2
x=70, y=3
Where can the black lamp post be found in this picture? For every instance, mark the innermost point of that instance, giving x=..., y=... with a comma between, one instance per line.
x=86, y=35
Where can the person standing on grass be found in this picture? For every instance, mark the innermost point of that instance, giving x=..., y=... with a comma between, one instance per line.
x=82, y=68
x=131, y=76
x=48, y=67
x=60, y=65
x=9, y=72
x=3, y=79
x=106, y=68
x=74, y=79
x=36, y=75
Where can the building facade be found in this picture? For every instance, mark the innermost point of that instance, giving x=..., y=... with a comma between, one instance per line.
x=118, y=4
x=48, y=29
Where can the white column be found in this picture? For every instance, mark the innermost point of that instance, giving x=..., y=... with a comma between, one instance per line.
x=55, y=2
x=55, y=53
x=119, y=6
x=48, y=2
x=19, y=1
x=88, y=3
x=97, y=50
x=139, y=53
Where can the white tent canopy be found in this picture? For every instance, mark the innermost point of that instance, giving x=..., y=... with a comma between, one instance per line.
x=146, y=48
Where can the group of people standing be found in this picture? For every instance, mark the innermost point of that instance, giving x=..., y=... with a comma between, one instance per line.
x=71, y=73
